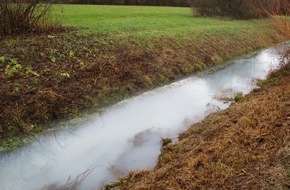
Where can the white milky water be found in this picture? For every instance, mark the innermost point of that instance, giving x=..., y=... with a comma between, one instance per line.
x=127, y=136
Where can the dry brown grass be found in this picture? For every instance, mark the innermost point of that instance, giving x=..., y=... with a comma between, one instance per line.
x=244, y=147
x=281, y=25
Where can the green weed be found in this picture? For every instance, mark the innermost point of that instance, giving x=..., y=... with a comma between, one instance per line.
x=11, y=143
x=238, y=97
x=12, y=68
x=2, y=59
x=65, y=74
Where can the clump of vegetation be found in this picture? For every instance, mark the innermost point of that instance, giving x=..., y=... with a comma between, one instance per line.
x=238, y=97
x=239, y=9
x=166, y=141
x=24, y=16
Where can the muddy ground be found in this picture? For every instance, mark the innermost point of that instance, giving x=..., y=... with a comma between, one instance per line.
x=244, y=147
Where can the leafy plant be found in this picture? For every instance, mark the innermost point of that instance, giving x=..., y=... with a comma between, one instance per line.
x=52, y=58
x=71, y=54
x=12, y=68
x=30, y=71
x=2, y=59
x=17, y=88
x=65, y=74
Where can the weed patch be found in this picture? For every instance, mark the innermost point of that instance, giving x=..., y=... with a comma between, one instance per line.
x=238, y=97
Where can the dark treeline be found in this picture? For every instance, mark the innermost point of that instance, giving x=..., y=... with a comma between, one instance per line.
x=241, y=9
x=130, y=2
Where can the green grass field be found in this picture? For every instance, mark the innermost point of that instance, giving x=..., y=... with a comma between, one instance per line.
x=149, y=21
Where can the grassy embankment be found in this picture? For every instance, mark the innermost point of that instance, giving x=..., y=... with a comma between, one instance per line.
x=114, y=52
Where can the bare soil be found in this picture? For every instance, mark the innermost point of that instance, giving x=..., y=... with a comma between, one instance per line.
x=244, y=147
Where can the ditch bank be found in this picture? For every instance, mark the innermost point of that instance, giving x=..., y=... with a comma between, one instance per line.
x=52, y=77
x=85, y=156
x=243, y=147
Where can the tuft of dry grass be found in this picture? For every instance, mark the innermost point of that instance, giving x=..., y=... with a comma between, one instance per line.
x=281, y=25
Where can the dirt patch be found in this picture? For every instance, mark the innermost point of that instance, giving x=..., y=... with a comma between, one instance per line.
x=244, y=147
x=51, y=77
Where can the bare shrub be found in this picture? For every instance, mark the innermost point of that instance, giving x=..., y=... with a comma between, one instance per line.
x=23, y=16
x=71, y=184
x=239, y=9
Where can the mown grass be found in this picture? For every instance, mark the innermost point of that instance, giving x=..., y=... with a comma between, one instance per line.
x=146, y=21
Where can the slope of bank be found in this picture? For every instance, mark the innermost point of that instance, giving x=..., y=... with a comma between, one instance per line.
x=58, y=76
x=243, y=147
x=51, y=77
